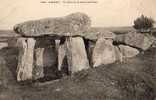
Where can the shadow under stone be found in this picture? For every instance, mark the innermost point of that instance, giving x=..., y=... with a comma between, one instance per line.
x=10, y=57
x=47, y=70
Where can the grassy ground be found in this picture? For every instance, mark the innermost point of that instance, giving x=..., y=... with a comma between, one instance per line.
x=133, y=80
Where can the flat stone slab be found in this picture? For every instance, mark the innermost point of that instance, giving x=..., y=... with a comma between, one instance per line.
x=137, y=40
x=76, y=23
x=95, y=35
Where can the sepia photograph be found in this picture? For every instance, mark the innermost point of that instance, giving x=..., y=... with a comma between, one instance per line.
x=77, y=50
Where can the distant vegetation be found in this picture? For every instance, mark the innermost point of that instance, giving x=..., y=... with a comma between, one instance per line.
x=144, y=24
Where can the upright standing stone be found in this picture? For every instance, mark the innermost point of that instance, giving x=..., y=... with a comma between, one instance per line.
x=104, y=52
x=25, y=59
x=38, y=70
x=57, y=44
x=77, y=56
x=61, y=56
x=74, y=50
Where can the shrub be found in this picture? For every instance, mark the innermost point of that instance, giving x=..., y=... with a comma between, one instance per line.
x=143, y=23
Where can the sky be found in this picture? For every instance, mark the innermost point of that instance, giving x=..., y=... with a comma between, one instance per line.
x=104, y=13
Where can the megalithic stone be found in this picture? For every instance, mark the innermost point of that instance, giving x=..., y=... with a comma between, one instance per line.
x=104, y=52
x=61, y=56
x=38, y=71
x=76, y=54
x=25, y=59
x=73, y=50
x=69, y=54
x=45, y=57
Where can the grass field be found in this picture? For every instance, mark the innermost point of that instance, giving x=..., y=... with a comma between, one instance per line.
x=134, y=79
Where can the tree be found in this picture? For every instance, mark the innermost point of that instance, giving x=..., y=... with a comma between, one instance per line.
x=143, y=23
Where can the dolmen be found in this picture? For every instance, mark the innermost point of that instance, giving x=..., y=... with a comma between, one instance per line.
x=66, y=45
x=52, y=42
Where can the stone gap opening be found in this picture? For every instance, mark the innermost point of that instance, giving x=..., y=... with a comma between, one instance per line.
x=64, y=67
x=89, y=46
x=45, y=63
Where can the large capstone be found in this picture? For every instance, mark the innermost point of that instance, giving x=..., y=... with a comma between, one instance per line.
x=25, y=59
x=76, y=23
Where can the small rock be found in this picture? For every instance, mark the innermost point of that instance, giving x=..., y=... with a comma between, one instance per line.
x=128, y=51
x=58, y=89
x=76, y=23
x=3, y=45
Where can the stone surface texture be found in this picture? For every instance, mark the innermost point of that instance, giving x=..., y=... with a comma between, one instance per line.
x=128, y=52
x=25, y=59
x=138, y=40
x=74, y=51
x=104, y=52
x=75, y=23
